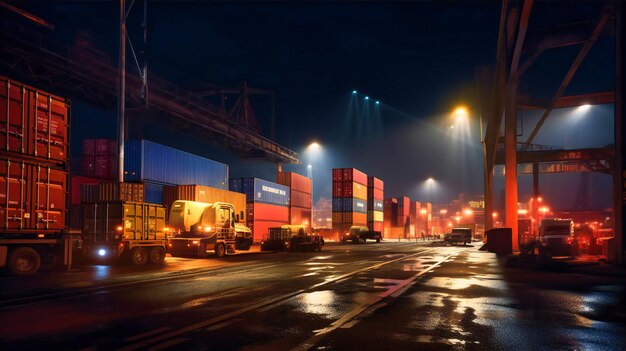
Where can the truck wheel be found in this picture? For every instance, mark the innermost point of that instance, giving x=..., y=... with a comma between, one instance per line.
x=157, y=255
x=139, y=255
x=377, y=240
x=220, y=250
x=24, y=261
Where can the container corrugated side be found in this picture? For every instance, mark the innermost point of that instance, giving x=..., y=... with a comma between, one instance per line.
x=153, y=192
x=375, y=183
x=34, y=196
x=35, y=123
x=295, y=181
x=264, y=191
x=264, y=211
x=146, y=160
x=75, y=185
x=351, y=204
x=300, y=199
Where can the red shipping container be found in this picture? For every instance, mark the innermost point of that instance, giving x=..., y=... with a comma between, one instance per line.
x=349, y=174
x=256, y=211
x=337, y=188
x=106, y=166
x=376, y=226
x=33, y=197
x=88, y=166
x=374, y=194
x=260, y=228
x=37, y=122
x=373, y=182
x=106, y=147
x=354, y=189
x=337, y=174
x=294, y=181
x=300, y=199
x=76, y=182
x=300, y=216
x=89, y=147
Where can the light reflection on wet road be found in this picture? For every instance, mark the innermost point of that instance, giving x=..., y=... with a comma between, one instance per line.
x=379, y=296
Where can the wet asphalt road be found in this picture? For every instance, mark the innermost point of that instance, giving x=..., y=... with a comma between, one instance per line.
x=388, y=296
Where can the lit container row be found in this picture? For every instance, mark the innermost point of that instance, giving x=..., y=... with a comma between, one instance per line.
x=260, y=190
x=349, y=204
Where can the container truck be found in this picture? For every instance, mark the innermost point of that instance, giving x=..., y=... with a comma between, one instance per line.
x=200, y=227
x=361, y=234
x=128, y=230
x=34, y=142
x=556, y=237
x=291, y=238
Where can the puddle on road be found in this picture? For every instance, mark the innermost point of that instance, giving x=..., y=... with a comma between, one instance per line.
x=486, y=281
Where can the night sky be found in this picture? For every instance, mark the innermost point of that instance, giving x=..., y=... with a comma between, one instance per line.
x=418, y=59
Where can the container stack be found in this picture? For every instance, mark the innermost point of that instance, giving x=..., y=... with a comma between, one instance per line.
x=414, y=216
x=404, y=215
x=375, y=205
x=390, y=215
x=157, y=166
x=203, y=193
x=300, y=201
x=34, y=161
x=267, y=204
x=349, y=199
x=99, y=158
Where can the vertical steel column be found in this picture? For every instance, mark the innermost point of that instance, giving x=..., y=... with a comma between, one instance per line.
x=510, y=161
x=121, y=102
x=535, y=199
x=488, y=186
x=619, y=175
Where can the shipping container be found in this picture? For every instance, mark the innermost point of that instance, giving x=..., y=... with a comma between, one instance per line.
x=105, y=147
x=374, y=216
x=88, y=165
x=109, y=221
x=75, y=186
x=349, y=174
x=375, y=205
x=34, y=123
x=106, y=166
x=205, y=194
x=300, y=199
x=146, y=160
x=153, y=192
x=354, y=189
x=351, y=204
x=375, y=183
x=89, y=147
x=295, y=181
x=267, y=212
x=113, y=191
x=264, y=191
x=376, y=226
x=375, y=194
x=33, y=197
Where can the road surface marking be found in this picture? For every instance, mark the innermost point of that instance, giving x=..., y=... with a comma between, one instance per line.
x=146, y=334
x=349, y=317
x=257, y=306
x=167, y=344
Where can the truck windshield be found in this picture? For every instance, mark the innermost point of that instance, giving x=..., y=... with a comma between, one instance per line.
x=557, y=229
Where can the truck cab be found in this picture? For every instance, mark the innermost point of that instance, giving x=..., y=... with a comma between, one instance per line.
x=458, y=236
x=556, y=237
x=200, y=227
x=361, y=234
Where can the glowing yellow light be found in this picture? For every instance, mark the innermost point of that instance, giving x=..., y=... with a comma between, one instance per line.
x=468, y=212
x=583, y=108
x=494, y=215
x=443, y=212
x=460, y=113
x=544, y=209
x=522, y=212
x=314, y=146
x=423, y=211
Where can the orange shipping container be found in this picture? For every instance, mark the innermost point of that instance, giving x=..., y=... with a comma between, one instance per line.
x=295, y=181
x=301, y=216
x=300, y=199
x=258, y=211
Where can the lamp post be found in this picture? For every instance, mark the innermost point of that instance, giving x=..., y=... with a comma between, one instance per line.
x=314, y=149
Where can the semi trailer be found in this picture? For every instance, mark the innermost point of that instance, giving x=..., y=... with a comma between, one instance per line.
x=291, y=238
x=361, y=234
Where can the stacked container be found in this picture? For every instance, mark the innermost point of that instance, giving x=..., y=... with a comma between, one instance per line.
x=300, y=201
x=156, y=166
x=267, y=204
x=349, y=199
x=390, y=215
x=100, y=158
x=416, y=212
x=34, y=160
x=404, y=214
x=375, y=204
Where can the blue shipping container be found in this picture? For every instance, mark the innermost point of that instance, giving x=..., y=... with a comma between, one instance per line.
x=146, y=160
x=259, y=190
x=235, y=184
x=351, y=204
x=378, y=205
x=153, y=192
x=337, y=204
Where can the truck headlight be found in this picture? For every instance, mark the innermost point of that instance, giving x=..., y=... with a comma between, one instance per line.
x=102, y=252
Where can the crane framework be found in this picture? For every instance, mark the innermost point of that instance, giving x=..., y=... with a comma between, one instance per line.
x=32, y=55
x=529, y=29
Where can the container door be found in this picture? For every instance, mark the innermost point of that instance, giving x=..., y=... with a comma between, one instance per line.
x=13, y=195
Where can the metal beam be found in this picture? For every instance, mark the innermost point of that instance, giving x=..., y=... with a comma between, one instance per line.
x=604, y=153
x=582, y=54
x=607, y=97
x=29, y=16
